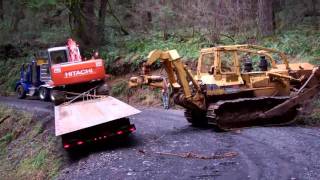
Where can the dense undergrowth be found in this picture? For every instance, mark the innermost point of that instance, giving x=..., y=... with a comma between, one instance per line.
x=299, y=45
x=126, y=54
x=303, y=43
x=28, y=148
x=10, y=74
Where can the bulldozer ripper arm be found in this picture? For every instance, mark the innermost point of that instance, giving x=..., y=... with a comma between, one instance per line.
x=175, y=69
x=138, y=81
x=178, y=76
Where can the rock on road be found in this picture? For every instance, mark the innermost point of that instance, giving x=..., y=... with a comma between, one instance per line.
x=290, y=152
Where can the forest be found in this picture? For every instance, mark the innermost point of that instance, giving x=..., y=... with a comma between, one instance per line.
x=177, y=133
x=124, y=31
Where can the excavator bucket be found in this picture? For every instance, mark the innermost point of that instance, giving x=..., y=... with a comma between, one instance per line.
x=84, y=114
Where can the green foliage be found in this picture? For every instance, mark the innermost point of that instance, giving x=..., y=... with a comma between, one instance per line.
x=6, y=138
x=53, y=35
x=135, y=44
x=119, y=88
x=10, y=73
x=22, y=154
x=303, y=43
x=36, y=161
x=4, y=141
x=188, y=48
x=38, y=4
x=312, y=115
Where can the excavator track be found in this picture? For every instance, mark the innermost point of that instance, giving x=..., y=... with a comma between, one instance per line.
x=231, y=114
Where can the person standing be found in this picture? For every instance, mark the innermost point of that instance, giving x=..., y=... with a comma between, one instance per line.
x=95, y=55
x=263, y=65
x=165, y=94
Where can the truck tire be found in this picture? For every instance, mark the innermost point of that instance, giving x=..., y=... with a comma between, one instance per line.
x=44, y=94
x=21, y=92
x=57, y=97
x=103, y=89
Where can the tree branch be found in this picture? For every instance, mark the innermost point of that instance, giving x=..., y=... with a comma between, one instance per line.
x=117, y=19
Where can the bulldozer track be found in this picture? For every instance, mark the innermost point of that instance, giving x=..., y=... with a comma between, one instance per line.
x=230, y=114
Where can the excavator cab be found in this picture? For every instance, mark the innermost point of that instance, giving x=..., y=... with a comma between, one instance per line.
x=58, y=55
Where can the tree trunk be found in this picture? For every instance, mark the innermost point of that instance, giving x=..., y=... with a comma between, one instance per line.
x=122, y=29
x=84, y=24
x=102, y=18
x=19, y=15
x=265, y=17
x=315, y=14
x=1, y=10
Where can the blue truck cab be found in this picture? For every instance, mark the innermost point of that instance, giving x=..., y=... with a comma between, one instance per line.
x=30, y=77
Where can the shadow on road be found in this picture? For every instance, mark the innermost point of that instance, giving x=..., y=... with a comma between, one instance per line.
x=79, y=153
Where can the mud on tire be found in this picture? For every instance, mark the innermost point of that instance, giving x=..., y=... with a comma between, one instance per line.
x=21, y=93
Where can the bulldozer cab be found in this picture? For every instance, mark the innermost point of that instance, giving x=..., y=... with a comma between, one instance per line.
x=226, y=65
x=219, y=67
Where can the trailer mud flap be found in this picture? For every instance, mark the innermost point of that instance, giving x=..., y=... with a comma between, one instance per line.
x=84, y=114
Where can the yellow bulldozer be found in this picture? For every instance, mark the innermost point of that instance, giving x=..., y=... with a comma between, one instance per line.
x=235, y=86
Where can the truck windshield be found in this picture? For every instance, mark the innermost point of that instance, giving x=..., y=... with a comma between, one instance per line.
x=58, y=57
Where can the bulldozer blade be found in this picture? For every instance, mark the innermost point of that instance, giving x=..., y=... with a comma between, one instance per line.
x=84, y=114
x=290, y=103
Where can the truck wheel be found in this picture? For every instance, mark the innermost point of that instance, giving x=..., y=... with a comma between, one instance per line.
x=21, y=93
x=57, y=97
x=44, y=94
x=103, y=89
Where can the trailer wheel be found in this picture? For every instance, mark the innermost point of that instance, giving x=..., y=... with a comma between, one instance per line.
x=44, y=94
x=21, y=93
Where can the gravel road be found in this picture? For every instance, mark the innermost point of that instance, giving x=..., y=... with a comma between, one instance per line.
x=159, y=147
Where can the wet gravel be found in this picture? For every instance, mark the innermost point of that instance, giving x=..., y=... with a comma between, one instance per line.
x=290, y=152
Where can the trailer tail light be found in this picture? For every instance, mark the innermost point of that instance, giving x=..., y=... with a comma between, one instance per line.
x=132, y=129
x=120, y=132
x=80, y=142
x=66, y=146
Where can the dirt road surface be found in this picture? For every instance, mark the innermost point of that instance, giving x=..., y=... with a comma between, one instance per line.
x=159, y=147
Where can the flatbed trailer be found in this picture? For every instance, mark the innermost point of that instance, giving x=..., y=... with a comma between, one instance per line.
x=92, y=120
